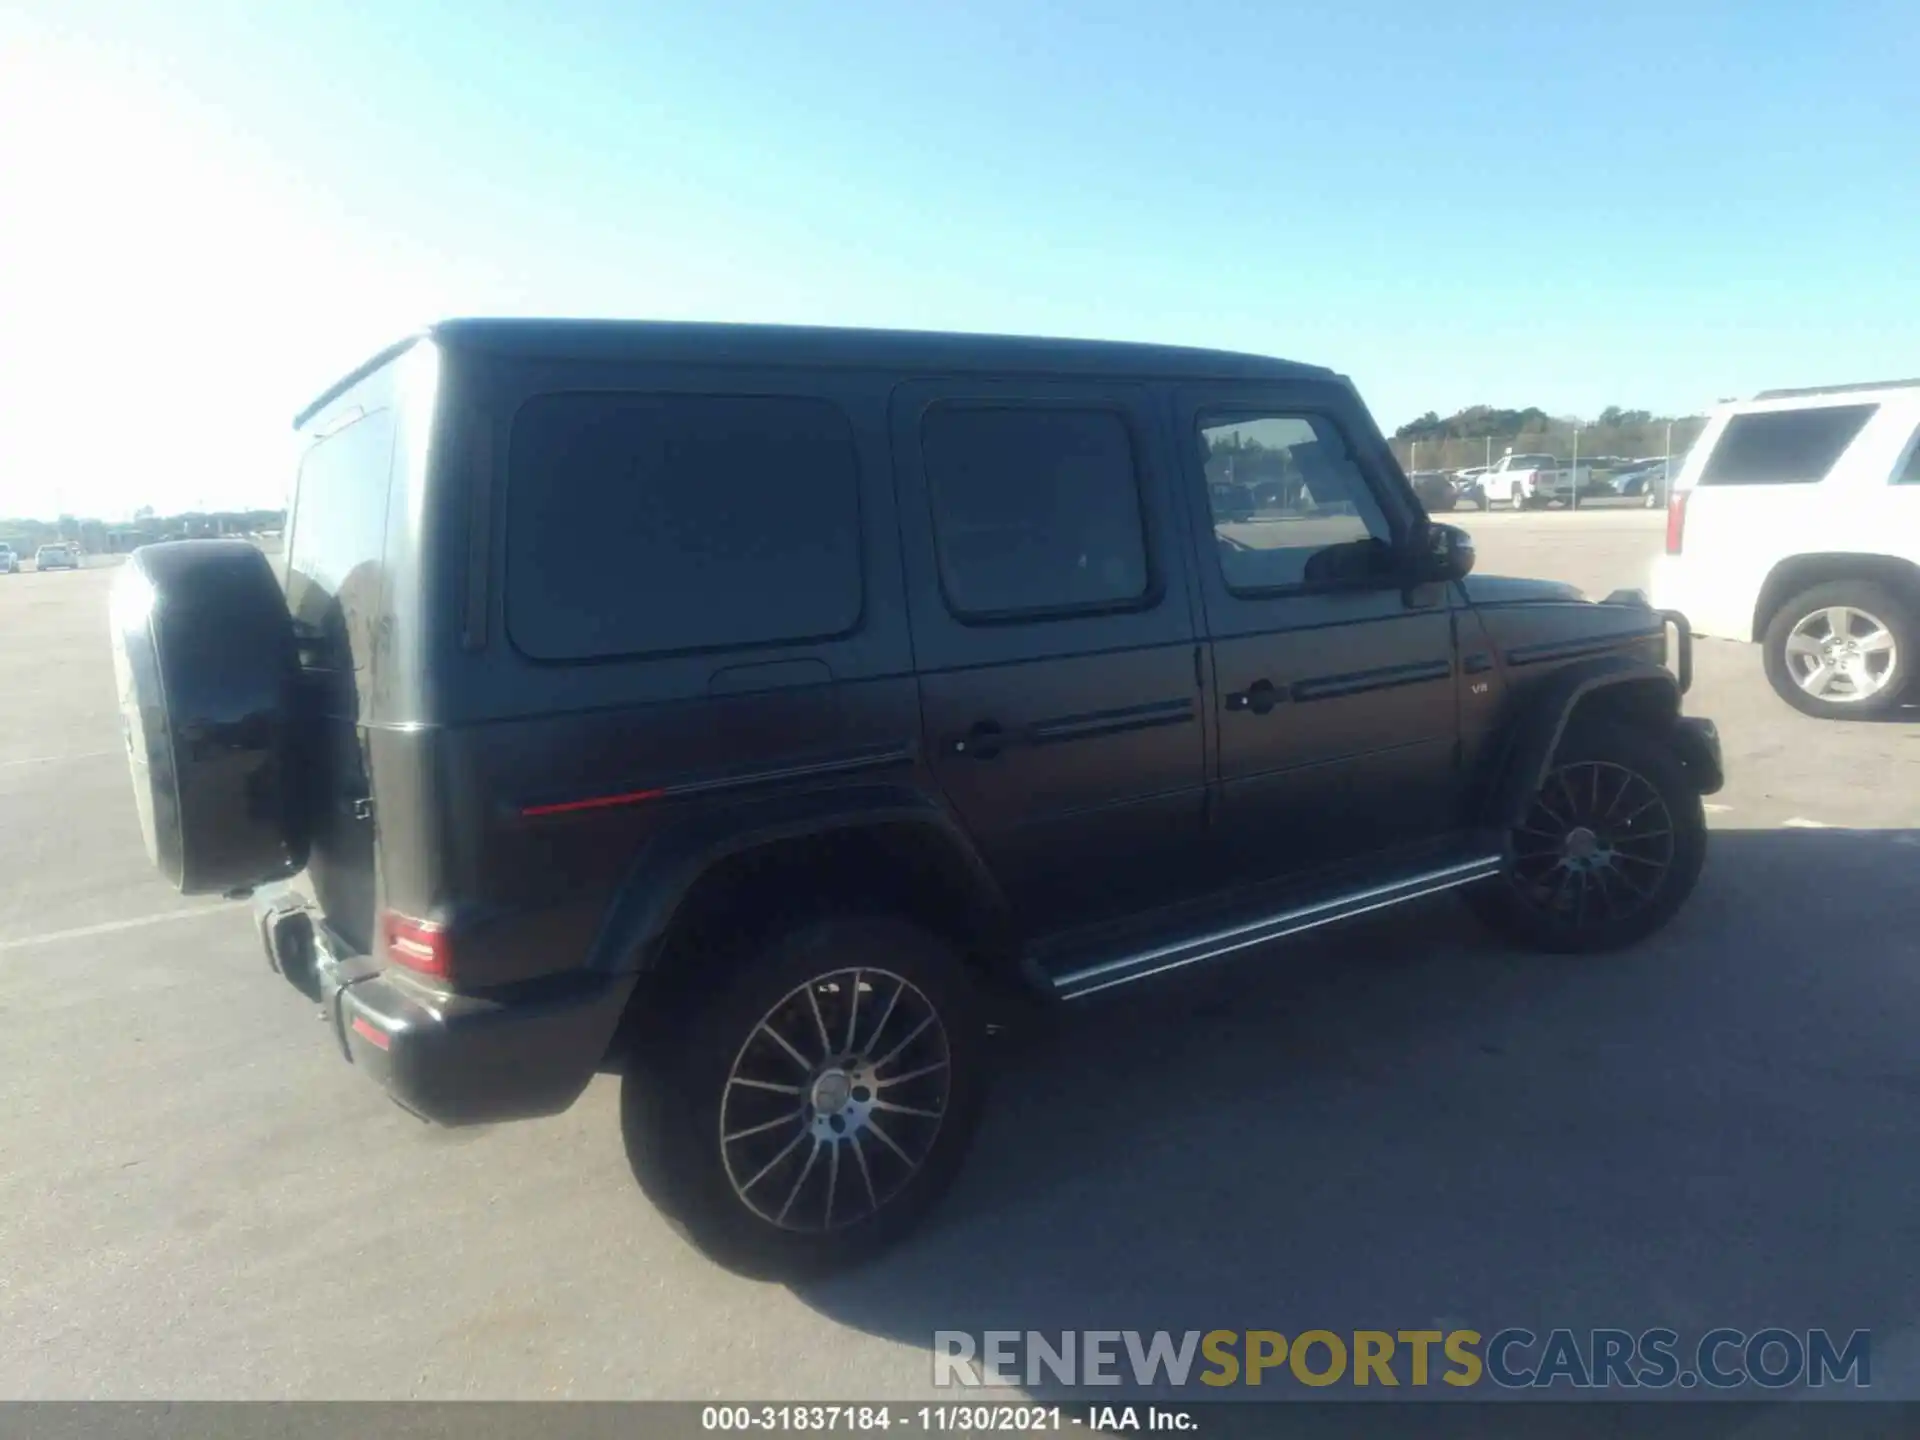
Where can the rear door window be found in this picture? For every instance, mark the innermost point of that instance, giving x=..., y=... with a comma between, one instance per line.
x=657, y=524
x=1036, y=510
x=1784, y=447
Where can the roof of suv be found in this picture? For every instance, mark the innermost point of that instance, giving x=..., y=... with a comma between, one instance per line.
x=1850, y=390
x=833, y=347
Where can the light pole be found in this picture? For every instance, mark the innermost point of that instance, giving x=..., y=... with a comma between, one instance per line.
x=1576, y=468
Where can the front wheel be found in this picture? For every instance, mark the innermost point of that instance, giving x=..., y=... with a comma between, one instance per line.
x=809, y=1116
x=1609, y=850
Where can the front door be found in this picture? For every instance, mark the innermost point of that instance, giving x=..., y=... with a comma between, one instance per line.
x=1055, y=640
x=1334, y=679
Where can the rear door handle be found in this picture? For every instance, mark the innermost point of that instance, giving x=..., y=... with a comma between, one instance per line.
x=983, y=741
x=1260, y=697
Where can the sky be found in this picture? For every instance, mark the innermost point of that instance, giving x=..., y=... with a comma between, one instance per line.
x=210, y=211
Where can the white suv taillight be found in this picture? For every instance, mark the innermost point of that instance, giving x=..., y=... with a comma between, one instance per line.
x=1676, y=521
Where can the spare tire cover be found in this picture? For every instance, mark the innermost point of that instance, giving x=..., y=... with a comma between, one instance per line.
x=208, y=672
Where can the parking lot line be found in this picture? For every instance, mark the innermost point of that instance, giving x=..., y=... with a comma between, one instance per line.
x=56, y=759
x=109, y=927
x=1798, y=824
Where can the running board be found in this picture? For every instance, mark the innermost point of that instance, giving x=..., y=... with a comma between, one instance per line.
x=1124, y=970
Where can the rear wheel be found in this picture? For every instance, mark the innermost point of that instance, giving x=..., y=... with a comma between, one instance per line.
x=809, y=1115
x=1610, y=848
x=1842, y=651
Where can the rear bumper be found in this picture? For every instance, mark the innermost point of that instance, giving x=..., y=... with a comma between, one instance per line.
x=449, y=1058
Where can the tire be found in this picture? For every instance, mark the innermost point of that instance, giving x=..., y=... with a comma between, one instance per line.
x=1569, y=895
x=208, y=676
x=1877, y=617
x=682, y=1093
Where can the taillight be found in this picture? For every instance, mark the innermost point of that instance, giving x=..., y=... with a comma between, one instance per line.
x=1676, y=520
x=419, y=945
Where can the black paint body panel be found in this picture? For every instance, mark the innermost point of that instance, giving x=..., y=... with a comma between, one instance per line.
x=1075, y=770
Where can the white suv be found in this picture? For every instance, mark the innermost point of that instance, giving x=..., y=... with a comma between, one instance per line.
x=1795, y=522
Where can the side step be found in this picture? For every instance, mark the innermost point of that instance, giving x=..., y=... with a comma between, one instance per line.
x=1301, y=915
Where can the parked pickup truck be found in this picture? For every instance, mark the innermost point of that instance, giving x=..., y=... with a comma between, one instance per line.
x=1531, y=481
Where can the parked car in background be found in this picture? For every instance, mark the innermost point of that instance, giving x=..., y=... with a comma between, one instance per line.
x=1468, y=486
x=1795, y=522
x=56, y=557
x=9, y=562
x=1633, y=479
x=1528, y=482
x=1647, y=480
x=1435, y=489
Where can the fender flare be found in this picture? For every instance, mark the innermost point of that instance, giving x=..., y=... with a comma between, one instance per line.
x=1535, y=735
x=669, y=865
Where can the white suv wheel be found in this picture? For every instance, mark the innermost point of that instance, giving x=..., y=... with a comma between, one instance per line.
x=1842, y=650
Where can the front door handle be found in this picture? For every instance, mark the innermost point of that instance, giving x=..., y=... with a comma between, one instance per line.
x=1260, y=697
x=982, y=742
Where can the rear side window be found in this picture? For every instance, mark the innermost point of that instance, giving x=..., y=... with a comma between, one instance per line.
x=1784, y=447
x=654, y=524
x=1909, y=471
x=1036, y=511
x=337, y=534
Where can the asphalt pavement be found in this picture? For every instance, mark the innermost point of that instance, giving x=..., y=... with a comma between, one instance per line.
x=1399, y=1125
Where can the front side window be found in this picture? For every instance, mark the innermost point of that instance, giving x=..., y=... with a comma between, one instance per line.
x=1036, y=510
x=1290, y=506
x=1784, y=447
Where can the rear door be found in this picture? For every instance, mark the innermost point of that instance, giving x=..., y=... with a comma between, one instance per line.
x=1055, y=639
x=1334, y=680
x=335, y=585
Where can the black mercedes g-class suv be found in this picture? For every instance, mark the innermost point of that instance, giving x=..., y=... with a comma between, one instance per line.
x=764, y=713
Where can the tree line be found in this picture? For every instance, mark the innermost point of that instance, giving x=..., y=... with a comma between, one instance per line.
x=1480, y=434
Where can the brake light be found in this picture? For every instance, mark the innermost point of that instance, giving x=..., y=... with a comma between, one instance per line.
x=1676, y=520
x=420, y=945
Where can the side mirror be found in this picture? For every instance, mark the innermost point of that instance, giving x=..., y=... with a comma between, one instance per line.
x=1446, y=553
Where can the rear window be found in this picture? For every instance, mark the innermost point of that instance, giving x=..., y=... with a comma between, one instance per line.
x=654, y=524
x=1784, y=447
x=336, y=535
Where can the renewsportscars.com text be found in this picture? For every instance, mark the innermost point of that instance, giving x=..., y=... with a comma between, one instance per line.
x=1656, y=1359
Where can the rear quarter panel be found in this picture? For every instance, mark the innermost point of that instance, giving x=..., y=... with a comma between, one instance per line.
x=541, y=784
